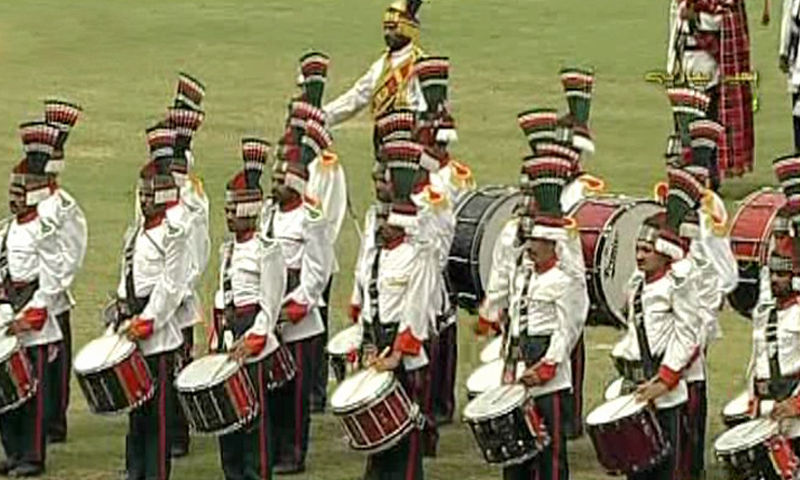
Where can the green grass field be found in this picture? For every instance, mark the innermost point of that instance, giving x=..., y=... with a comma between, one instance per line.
x=119, y=59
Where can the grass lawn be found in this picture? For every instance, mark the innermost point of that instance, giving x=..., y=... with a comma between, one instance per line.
x=119, y=59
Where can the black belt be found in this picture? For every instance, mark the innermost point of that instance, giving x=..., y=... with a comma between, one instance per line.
x=632, y=370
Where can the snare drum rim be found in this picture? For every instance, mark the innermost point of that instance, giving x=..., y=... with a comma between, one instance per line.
x=382, y=393
x=504, y=411
x=762, y=254
x=122, y=343
x=219, y=380
x=18, y=403
x=16, y=347
x=353, y=330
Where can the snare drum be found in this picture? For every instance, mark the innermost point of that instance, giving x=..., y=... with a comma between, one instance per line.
x=737, y=410
x=608, y=228
x=750, y=237
x=614, y=390
x=756, y=449
x=626, y=436
x=488, y=376
x=281, y=367
x=113, y=375
x=216, y=395
x=480, y=217
x=343, y=351
x=17, y=382
x=507, y=425
x=493, y=350
x=374, y=410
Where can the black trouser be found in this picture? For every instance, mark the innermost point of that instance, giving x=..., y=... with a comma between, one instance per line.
x=669, y=419
x=247, y=453
x=552, y=462
x=695, y=440
x=796, y=123
x=291, y=421
x=425, y=397
x=573, y=408
x=319, y=361
x=404, y=460
x=22, y=429
x=60, y=371
x=149, y=443
x=180, y=433
x=444, y=373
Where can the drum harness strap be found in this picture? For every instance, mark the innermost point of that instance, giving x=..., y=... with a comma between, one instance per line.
x=292, y=274
x=133, y=305
x=779, y=387
x=235, y=322
x=381, y=335
x=18, y=298
x=649, y=362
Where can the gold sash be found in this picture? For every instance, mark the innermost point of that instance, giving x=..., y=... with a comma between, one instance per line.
x=390, y=90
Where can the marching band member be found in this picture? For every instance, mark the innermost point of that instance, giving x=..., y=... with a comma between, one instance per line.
x=155, y=267
x=390, y=83
x=32, y=274
x=542, y=330
x=709, y=50
x=664, y=328
x=327, y=183
x=252, y=281
x=788, y=58
x=301, y=227
x=396, y=279
x=63, y=211
x=186, y=118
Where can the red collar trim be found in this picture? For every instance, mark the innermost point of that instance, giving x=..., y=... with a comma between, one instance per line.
x=28, y=216
x=155, y=220
x=788, y=301
x=546, y=266
x=394, y=243
x=657, y=275
x=245, y=236
x=289, y=206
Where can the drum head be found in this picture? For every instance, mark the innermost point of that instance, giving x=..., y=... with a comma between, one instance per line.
x=205, y=372
x=7, y=346
x=102, y=352
x=737, y=407
x=746, y=435
x=615, y=257
x=492, y=350
x=360, y=388
x=486, y=376
x=496, y=401
x=613, y=410
x=614, y=390
x=345, y=341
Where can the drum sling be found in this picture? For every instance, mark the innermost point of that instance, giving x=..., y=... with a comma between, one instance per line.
x=236, y=320
x=131, y=305
x=16, y=294
x=650, y=363
x=381, y=336
x=527, y=348
x=779, y=387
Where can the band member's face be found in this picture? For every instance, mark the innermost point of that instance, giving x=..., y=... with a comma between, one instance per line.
x=16, y=204
x=392, y=37
x=283, y=194
x=148, y=204
x=388, y=232
x=647, y=259
x=780, y=284
x=237, y=224
x=541, y=250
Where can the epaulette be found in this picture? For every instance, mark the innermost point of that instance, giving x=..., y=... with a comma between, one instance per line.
x=462, y=175
x=436, y=199
x=46, y=227
x=329, y=159
x=173, y=228
x=66, y=201
x=197, y=184
x=592, y=183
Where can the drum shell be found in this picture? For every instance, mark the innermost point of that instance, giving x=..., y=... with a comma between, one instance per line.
x=480, y=217
x=221, y=408
x=118, y=388
x=750, y=234
x=17, y=381
x=511, y=437
x=379, y=423
x=753, y=462
x=281, y=367
x=629, y=445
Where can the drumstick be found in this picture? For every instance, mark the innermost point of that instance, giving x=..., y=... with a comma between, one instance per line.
x=630, y=400
x=369, y=372
x=108, y=355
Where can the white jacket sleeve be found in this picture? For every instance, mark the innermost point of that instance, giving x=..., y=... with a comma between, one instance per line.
x=272, y=284
x=688, y=325
x=168, y=292
x=347, y=105
x=503, y=264
x=317, y=263
x=73, y=236
x=422, y=282
x=562, y=340
x=719, y=253
x=786, y=27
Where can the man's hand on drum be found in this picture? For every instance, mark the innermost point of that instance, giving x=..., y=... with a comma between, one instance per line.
x=538, y=374
x=786, y=409
x=651, y=390
x=388, y=362
x=239, y=352
x=370, y=355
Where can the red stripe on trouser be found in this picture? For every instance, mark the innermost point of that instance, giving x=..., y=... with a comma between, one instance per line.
x=162, y=417
x=556, y=434
x=38, y=430
x=298, y=402
x=263, y=438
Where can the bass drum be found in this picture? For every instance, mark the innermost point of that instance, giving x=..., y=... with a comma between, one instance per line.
x=480, y=217
x=608, y=228
x=750, y=237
